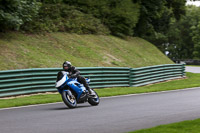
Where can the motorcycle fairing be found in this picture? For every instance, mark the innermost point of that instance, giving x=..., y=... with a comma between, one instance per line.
x=65, y=83
x=62, y=81
x=77, y=87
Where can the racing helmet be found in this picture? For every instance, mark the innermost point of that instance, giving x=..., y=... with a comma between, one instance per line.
x=67, y=64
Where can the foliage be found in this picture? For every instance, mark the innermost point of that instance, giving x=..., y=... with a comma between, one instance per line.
x=196, y=40
x=178, y=8
x=119, y=16
x=149, y=19
x=155, y=18
x=14, y=13
x=65, y=18
x=184, y=36
x=51, y=1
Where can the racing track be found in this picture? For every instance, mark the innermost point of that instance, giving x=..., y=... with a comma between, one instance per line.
x=192, y=69
x=113, y=115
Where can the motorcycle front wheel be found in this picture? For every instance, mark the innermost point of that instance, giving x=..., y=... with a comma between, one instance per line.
x=69, y=99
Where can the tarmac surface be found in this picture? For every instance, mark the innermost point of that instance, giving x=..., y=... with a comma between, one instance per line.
x=192, y=69
x=113, y=115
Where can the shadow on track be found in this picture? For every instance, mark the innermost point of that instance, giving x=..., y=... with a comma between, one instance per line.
x=66, y=108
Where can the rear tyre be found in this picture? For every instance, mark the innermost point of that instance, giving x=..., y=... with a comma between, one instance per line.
x=69, y=99
x=94, y=100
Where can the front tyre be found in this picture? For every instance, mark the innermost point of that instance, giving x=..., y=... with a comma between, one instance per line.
x=94, y=100
x=69, y=99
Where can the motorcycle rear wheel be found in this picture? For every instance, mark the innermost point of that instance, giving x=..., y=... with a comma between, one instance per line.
x=94, y=101
x=69, y=99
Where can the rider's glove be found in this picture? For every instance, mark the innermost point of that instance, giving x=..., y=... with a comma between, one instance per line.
x=69, y=75
x=73, y=76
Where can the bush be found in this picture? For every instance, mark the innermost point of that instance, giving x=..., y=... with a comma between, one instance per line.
x=14, y=13
x=51, y=1
x=119, y=16
x=65, y=18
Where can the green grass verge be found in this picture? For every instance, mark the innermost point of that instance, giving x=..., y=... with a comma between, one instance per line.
x=191, y=126
x=192, y=80
x=193, y=65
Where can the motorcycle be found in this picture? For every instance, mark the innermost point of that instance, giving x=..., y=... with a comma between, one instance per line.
x=73, y=92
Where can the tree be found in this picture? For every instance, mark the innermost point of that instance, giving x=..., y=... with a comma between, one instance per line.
x=14, y=13
x=178, y=7
x=184, y=35
x=150, y=10
x=196, y=40
x=119, y=16
x=155, y=19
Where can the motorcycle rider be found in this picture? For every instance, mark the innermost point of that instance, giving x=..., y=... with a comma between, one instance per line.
x=73, y=73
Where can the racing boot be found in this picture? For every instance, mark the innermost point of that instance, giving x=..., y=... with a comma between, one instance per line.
x=91, y=93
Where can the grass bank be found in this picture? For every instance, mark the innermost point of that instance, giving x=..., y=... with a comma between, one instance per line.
x=20, y=51
x=191, y=126
x=192, y=80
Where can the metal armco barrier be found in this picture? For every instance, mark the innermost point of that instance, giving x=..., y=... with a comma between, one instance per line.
x=153, y=74
x=29, y=81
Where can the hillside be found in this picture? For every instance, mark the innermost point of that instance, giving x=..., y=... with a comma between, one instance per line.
x=20, y=51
